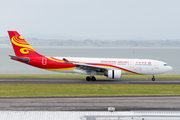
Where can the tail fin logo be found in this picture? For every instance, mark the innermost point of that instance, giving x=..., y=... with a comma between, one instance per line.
x=19, y=41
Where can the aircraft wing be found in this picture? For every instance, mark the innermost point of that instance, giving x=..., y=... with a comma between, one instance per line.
x=88, y=67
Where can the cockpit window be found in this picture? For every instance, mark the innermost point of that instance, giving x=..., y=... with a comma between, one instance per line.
x=165, y=64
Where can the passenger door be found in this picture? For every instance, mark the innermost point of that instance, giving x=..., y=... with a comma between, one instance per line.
x=156, y=65
x=131, y=64
x=44, y=61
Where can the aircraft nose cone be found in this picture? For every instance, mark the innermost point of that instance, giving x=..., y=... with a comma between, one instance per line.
x=170, y=68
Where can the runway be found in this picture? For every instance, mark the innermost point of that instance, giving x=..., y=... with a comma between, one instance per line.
x=129, y=103
x=121, y=103
x=83, y=81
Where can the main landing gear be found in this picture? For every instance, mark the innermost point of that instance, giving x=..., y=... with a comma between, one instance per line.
x=91, y=77
x=88, y=78
x=153, y=79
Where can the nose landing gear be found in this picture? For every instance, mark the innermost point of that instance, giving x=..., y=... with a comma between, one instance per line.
x=153, y=79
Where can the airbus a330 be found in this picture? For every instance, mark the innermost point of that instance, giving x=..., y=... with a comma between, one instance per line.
x=113, y=68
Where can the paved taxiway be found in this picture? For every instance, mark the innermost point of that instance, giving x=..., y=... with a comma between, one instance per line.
x=90, y=103
x=83, y=81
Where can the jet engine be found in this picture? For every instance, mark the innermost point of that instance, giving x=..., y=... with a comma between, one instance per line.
x=114, y=74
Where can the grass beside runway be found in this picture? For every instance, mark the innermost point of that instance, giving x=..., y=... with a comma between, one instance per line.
x=57, y=90
x=70, y=76
x=47, y=90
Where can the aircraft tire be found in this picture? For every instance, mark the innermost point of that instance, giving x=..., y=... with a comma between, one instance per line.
x=88, y=78
x=153, y=79
x=93, y=78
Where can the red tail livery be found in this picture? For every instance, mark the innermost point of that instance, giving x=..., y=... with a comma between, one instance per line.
x=26, y=54
x=21, y=47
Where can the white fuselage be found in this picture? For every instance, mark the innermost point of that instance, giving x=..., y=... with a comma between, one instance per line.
x=132, y=66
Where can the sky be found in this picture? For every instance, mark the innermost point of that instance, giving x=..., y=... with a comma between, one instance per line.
x=97, y=19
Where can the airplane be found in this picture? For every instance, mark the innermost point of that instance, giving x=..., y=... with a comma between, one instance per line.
x=112, y=68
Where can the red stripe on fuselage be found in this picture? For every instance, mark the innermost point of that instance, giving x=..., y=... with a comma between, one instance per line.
x=54, y=63
x=112, y=66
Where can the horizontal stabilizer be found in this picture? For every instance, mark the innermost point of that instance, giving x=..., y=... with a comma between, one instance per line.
x=25, y=59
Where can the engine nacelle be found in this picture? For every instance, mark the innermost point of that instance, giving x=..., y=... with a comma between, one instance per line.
x=114, y=74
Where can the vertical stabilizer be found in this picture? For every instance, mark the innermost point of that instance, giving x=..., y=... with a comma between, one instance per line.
x=20, y=46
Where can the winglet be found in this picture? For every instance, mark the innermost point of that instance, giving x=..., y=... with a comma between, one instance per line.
x=65, y=60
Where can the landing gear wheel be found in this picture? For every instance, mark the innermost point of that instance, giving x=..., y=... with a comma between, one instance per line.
x=93, y=78
x=88, y=78
x=153, y=79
